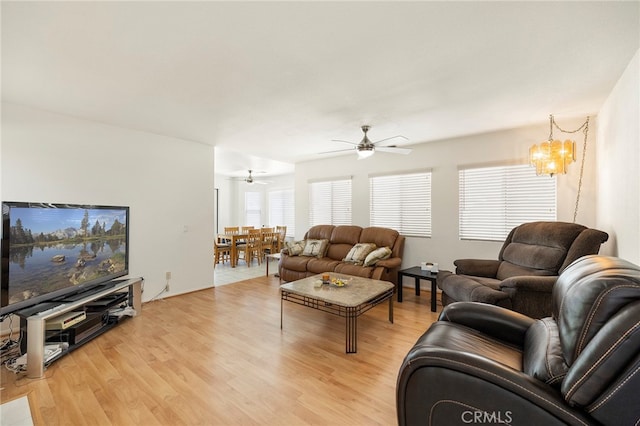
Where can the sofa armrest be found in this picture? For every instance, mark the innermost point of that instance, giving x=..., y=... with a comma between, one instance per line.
x=542, y=284
x=391, y=263
x=478, y=267
x=501, y=323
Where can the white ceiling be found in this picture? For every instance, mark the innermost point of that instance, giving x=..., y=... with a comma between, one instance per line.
x=279, y=80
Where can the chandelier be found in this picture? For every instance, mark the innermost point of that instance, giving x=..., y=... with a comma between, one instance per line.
x=554, y=156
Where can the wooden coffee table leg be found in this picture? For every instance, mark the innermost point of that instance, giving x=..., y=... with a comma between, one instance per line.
x=391, y=309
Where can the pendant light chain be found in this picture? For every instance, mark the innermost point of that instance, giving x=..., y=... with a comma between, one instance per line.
x=584, y=154
x=584, y=126
x=585, y=131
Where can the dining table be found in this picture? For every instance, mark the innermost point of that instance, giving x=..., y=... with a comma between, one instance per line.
x=233, y=239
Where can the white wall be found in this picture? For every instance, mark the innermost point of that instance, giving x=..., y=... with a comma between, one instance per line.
x=167, y=182
x=444, y=157
x=227, y=196
x=618, y=165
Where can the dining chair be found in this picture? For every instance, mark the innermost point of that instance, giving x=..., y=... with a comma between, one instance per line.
x=269, y=242
x=251, y=248
x=222, y=252
x=282, y=233
x=230, y=230
x=244, y=230
x=265, y=230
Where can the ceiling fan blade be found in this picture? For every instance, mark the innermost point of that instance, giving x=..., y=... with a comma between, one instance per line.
x=392, y=137
x=337, y=150
x=340, y=140
x=393, y=150
x=259, y=182
x=244, y=172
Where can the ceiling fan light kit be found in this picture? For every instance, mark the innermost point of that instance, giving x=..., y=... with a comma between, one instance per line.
x=365, y=151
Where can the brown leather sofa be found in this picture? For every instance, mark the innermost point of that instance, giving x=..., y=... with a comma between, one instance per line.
x=341, y=240
x=485, y=364
x=531, y=258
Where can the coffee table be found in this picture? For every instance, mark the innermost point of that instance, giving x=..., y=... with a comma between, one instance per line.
x=351, y=301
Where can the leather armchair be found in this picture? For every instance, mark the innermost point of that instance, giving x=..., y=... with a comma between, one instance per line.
x=531, y=258
x=481, y=363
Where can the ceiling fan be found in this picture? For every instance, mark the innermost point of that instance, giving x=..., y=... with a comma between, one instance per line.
x=249, y=179
x=365, y=148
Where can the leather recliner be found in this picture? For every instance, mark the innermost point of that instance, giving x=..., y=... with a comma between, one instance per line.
x=481, y=363
x=521, y=279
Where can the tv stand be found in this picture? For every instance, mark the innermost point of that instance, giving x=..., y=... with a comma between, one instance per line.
x=35, y=321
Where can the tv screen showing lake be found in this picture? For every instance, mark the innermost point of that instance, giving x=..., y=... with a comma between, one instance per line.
x=36, y=270
x=55, y=248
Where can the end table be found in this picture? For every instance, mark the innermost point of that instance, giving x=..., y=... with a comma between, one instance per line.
x=418, y=274
x=270, y=256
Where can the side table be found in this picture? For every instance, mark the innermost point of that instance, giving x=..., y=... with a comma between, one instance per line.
x=418, y=274
x=270, y=256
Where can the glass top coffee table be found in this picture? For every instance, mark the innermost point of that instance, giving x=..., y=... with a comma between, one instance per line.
x=354, y=299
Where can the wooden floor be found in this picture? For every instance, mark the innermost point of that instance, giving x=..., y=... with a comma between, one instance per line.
x=218, y=357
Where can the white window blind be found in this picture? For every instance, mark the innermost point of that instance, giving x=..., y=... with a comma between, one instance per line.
x=494, y=200
x=282, y=209
x=401, y=202
x=253, y=209
x=330, y=202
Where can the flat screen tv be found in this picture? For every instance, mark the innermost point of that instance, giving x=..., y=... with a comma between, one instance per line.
x=50, y=251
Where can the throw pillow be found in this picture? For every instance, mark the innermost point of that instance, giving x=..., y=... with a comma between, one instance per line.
x=316, y=248
x=378, y=254
x=359, y=252
x=294, y=248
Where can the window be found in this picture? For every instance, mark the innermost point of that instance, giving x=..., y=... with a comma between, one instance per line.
x=401, y=202
x=282, y=209
x=494, y=200
x=330, y=202
x=253, y=209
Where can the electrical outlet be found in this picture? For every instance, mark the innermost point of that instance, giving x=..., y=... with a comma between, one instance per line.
x=168, y=275
x=166, y=287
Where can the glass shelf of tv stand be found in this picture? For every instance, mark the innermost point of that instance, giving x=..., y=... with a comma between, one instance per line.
x=36, y=323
